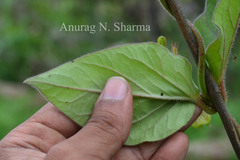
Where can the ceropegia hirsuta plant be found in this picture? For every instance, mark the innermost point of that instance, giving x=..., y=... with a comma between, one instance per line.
x=218, y=31
x=224, y=15
x=164, y=92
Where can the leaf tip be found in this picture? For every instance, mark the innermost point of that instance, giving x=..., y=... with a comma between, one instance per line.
x=26, y=81
x=29, y=81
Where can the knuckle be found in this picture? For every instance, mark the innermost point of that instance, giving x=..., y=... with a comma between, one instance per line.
x=109, y=124
x=57, y=151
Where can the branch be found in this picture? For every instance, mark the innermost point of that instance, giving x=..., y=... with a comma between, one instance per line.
x=219, y=103
x=212, y=87
x=236, y=125
x=186, y=30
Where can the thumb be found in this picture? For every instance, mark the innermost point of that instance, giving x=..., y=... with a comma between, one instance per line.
x=108, y=127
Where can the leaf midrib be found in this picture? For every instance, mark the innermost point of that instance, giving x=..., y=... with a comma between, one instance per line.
x=99, y=91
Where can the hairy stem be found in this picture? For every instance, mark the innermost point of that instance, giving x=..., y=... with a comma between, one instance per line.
x=223, y=90
x=186, y=30
x=212, y=87
x=236, y=125
x=219, y=103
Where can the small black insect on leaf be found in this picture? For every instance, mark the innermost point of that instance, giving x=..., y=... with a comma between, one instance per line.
x=161, y=94
x=235, y=57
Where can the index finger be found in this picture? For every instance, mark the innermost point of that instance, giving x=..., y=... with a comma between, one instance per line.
x=53, y=118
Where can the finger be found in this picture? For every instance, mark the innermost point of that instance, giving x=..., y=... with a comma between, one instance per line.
x=43, y=130
x=142, y=151
x=107, y=129
x=174, y=148
x=53, y=118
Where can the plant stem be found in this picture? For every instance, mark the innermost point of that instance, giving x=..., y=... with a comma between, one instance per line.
x=223, y=90
x=212, y=87
x=219, y=103
x=236, y=125
x=186, y=30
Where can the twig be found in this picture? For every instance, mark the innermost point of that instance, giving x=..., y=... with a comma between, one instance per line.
x=219, y=103
x=212, y=87
x=186, y=30
x=236, y=125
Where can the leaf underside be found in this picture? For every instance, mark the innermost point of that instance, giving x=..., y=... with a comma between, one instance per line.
x=161, y=83
x=226, y=17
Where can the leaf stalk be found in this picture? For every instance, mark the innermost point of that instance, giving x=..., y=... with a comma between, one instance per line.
x=201, y=61
x=204, y=107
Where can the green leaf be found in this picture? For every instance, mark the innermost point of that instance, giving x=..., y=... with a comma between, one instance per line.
x=154, y=120
x=226, y=17
x=203, y=119
x=166, y=6
x=161, y=83
x=205, y=25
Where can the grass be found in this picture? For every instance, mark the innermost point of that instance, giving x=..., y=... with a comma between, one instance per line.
x=13, y=111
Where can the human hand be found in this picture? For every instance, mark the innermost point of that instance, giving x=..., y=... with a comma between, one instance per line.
x=51, y=135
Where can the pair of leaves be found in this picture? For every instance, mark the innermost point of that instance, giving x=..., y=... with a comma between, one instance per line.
x=218, y=26
x=161, y=83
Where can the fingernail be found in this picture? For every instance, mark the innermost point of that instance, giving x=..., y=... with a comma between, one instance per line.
x=116, y=89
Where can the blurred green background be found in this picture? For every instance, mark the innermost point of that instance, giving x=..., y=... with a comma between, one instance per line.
x=31, y=43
